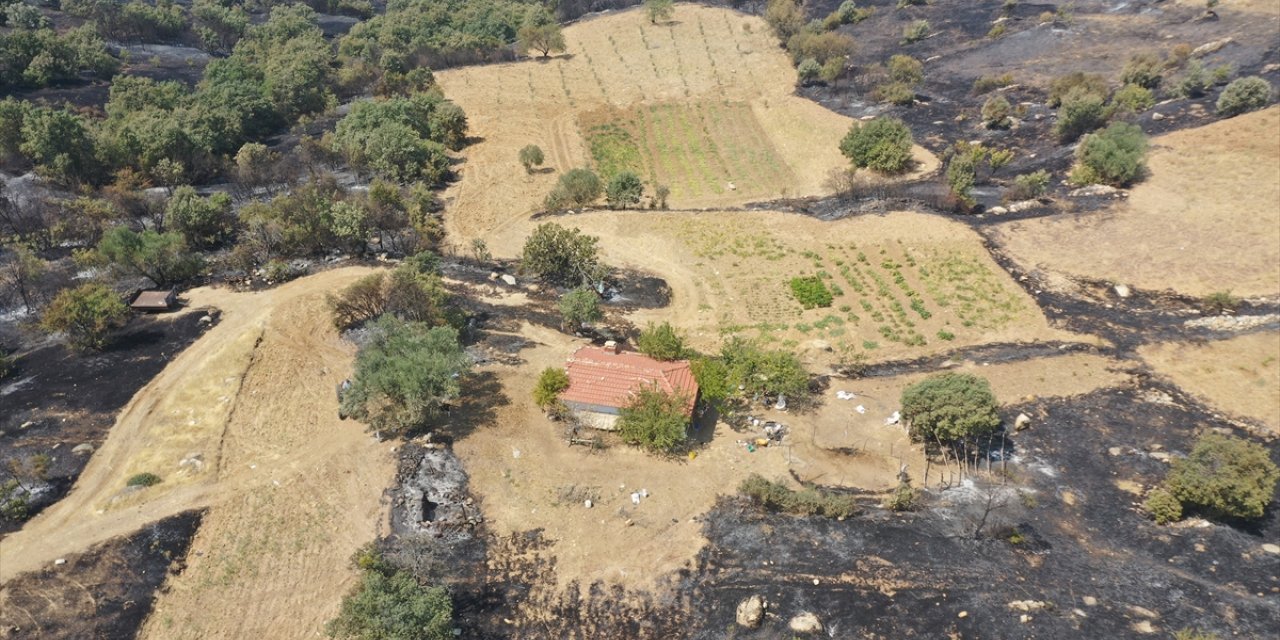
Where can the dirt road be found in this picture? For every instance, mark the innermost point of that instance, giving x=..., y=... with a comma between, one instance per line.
x=250, y=409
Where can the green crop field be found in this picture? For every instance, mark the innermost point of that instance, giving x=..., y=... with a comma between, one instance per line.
x=698, y=150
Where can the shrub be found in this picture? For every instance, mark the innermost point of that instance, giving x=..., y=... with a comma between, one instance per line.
x=1194, y=81
x=624, y=190
x=654, y=420
x=756, y=371
x=580, y=307
x=808, y=70
x=882, y=144
x=1243, y=95
x=530, y=157
x=906, y=70
x=898, y=93
x=278, y=271
x=713, y=380
x=1144, y=70
x=811, y=292
x=1114, y=156
x=661, y=342
x=903, y=497
x=996, y=111
x=915, y=32
x=86, y=314
x=950, y=406
x=1163, y=507
x=576, y=188
x=785, y=18
x=1220, y=302
x=1132, y=98
x=1081, y=111
x=407, y=293
x=776, y=496
x=203, y=222
x=143, y=480
x=1089, y=82
x=819, y=45
x=359, y=302
x=1028, y=186
x=405, y=374
x=389, y=604
x=986, y=84
x=564, y=256
x=551, y=382
x=1225, y=477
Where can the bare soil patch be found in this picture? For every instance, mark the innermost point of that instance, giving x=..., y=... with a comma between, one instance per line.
x=1205, y=220
x=709, y=96
x=1240, y=376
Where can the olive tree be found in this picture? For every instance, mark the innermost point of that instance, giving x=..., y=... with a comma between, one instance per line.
x=882, y=144
x=655, y=420
x=659, y=10
x=624, y=190
x=564, y=256
x=540, y=32
x=661, y=342
x=575, y=188
x=949, y=407
x=161, y=257
x=579, y=308
x=406, y=374
x=530, y=157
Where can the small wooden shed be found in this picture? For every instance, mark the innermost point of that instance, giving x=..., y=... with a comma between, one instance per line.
x=155, y=300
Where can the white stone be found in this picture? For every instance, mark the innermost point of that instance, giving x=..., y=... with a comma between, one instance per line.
x=805, y=623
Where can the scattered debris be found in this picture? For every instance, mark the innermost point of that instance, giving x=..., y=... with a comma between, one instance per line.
x=893, y=419
x=845, y=395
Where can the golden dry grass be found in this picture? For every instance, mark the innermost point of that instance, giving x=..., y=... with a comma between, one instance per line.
x=1207, y=219
x=1240, y=376
x=715, y=74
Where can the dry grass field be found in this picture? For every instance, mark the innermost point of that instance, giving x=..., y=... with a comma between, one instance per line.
x=1240, y=376
x=902, y=284
x=1207, y=218
x=703, y=104
x=291, y=490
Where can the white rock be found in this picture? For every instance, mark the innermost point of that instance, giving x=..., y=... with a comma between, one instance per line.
x=1089, y=601
x=998, y=211
x=1022, y=422
x=1123, y=291
x=82, y=449
x=588, y=504
x=1271, y=548
x=59, y=562
x=805, y=623
x=751, y=612
x=1157, y=116
x=509, y=279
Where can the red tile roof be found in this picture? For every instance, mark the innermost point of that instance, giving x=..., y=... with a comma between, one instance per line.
x=598, y=376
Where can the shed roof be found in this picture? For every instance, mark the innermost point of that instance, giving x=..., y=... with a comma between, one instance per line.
x=602, y=377
x=156, y=299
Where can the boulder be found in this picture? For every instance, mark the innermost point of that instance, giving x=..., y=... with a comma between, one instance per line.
x=1271, y=548
x=82, y=449
x=1210, y=47
x=751, y=612
x=1157, y=116
x=1022, y=422
x=1089, y=601
x=1123, y=291
x=1094, y=190
x=509, y=279
x=998, y=211
x=1023, y=205
x=805, y=623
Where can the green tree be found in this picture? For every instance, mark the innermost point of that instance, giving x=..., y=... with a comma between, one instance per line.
x=203, y=222
x=530, y=157
x=576, y=188
x=661, y=341
x=655, y=420
x=388, y=604
x=1243, y=95
x=950, y=406
x=86, y=314
x=712, y=375
x=624, y=190
x=540, y=32
x=1087, y=82
x=785, y=17
x=1132, y=98
x=564, y=256
x=808, y=70
x=405, y=374
x=579, y=308
x=59, y=145
x=21, y=273
x=659, y=10
x=1114, y=156
x=883, y=144
x=905, y=69
x=161, y=257
x=1144, y=70
x=1224, y=477
x=551, y=383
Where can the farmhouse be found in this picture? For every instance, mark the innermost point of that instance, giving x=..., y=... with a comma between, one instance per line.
x=603, y=379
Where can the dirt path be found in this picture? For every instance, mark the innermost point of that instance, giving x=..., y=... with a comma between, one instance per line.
x=253, y=402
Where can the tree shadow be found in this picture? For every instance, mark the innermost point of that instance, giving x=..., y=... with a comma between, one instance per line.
x=482, y=396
